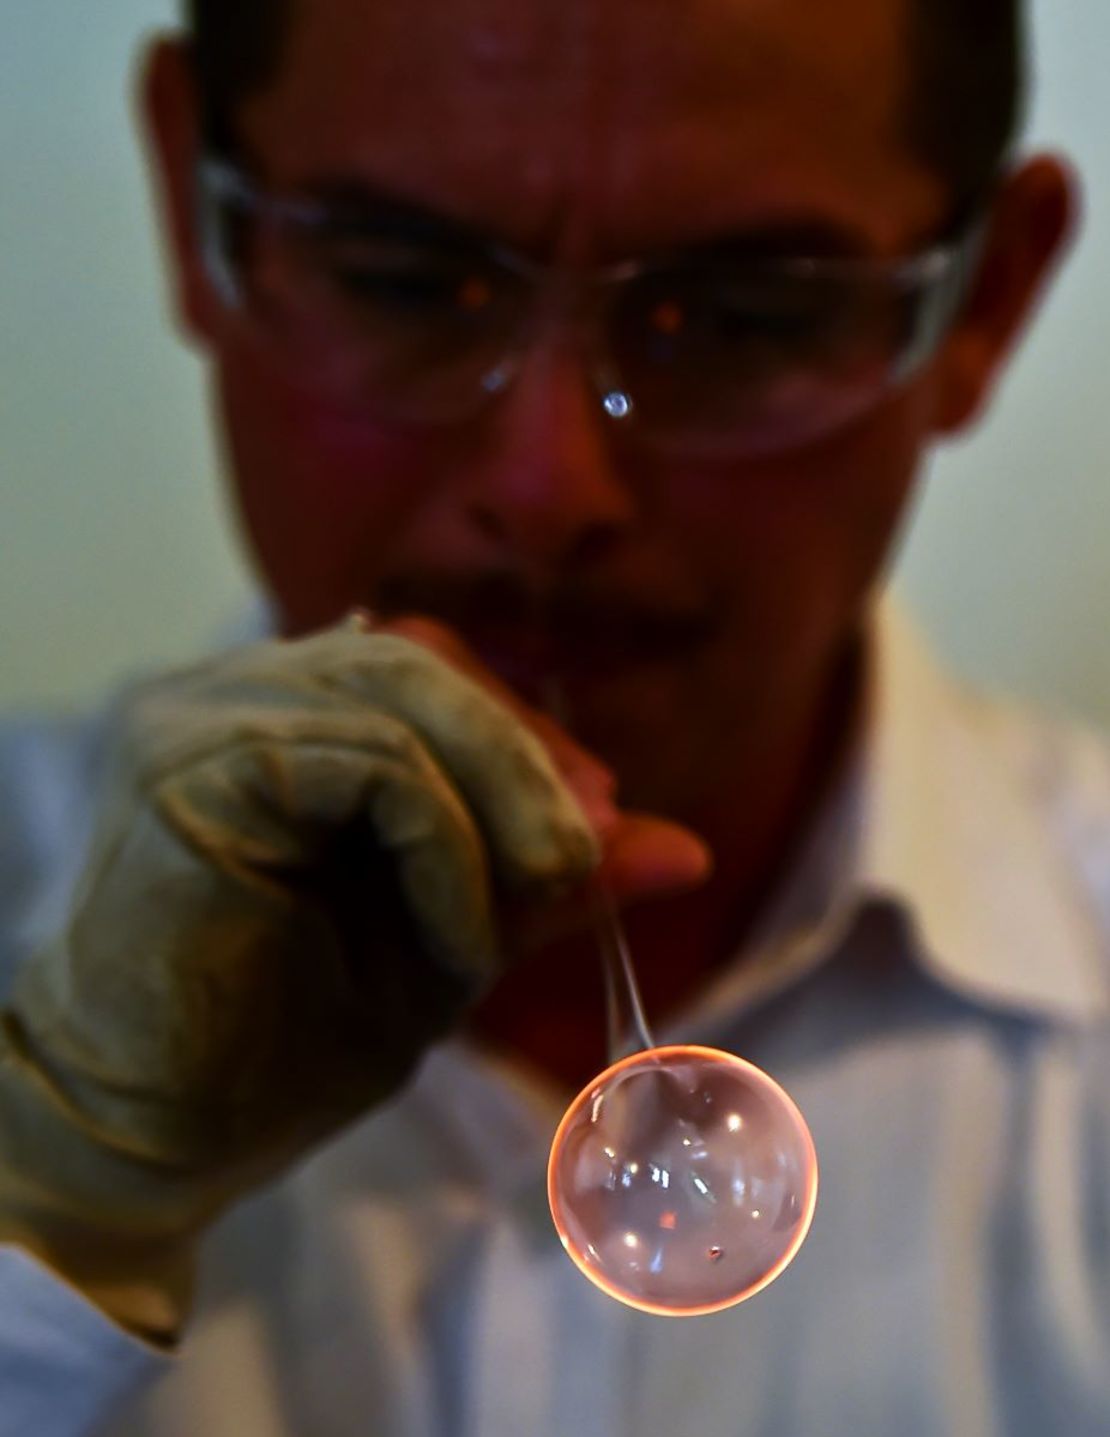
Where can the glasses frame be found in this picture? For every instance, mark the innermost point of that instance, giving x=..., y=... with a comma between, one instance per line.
x=939, y=275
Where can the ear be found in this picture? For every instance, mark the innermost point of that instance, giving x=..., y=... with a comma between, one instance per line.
x=169, y=115
x=1032, y=220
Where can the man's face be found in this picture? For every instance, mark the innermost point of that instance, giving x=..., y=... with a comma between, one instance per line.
x=691, y=608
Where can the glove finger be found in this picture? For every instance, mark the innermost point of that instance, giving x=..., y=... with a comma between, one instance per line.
x=591, y=780
x=266, y=805
x=535, y=826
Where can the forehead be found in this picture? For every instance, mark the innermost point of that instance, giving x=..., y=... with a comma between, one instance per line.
x=612, y=125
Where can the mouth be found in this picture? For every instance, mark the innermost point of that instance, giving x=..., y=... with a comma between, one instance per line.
x=573, y=635
x=536, y=660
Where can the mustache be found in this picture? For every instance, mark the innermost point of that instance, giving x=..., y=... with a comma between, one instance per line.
x=579, y=613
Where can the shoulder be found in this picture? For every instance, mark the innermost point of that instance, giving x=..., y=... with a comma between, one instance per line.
x=1007, y=800
x=46, y=759
x=1059, y=769
x=50, y=766
x=1053, y=766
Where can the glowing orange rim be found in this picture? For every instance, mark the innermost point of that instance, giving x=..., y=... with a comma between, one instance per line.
x=762, y=1080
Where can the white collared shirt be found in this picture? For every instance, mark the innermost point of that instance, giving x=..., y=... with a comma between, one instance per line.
x=933, y=988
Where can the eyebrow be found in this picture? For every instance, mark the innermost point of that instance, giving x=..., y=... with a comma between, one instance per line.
x=359, y=204
x=801, y=238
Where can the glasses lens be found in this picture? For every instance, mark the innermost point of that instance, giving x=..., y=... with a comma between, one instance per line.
x=405, y=330
x=755, y=358
x=718, y=357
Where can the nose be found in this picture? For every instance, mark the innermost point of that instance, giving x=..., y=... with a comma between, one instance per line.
x=546, y=493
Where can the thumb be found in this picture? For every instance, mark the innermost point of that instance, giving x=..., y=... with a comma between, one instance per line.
x=649, y=857
x=644, y=857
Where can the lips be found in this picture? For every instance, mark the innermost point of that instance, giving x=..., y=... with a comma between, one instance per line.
x=529, y=638
x=531, y=657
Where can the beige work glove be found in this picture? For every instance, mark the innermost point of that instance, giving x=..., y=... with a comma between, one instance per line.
x=290, y=894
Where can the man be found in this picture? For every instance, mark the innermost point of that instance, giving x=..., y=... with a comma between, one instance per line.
x=593, y=350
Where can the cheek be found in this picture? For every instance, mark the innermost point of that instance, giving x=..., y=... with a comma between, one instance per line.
x=792, y=550
x=864, y=483
x=820, y=519
x=323, y=497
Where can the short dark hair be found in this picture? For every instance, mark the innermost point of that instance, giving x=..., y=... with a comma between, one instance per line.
x=236, y=48
x=964, y=110
x=967, y=99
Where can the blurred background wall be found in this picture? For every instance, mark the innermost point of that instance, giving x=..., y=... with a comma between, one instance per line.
x=116, y=549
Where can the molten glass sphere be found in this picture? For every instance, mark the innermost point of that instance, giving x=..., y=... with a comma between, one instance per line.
x=682, y=1180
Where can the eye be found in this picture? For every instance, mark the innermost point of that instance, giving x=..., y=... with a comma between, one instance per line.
x=412, y=289
x=404, y=281
x=669, y=317
x=739, y=315
x=788, y=314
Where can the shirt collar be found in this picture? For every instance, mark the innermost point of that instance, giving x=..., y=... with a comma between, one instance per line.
x=951, y=833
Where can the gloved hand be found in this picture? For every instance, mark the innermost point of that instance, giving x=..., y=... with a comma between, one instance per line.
x=290, y=894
